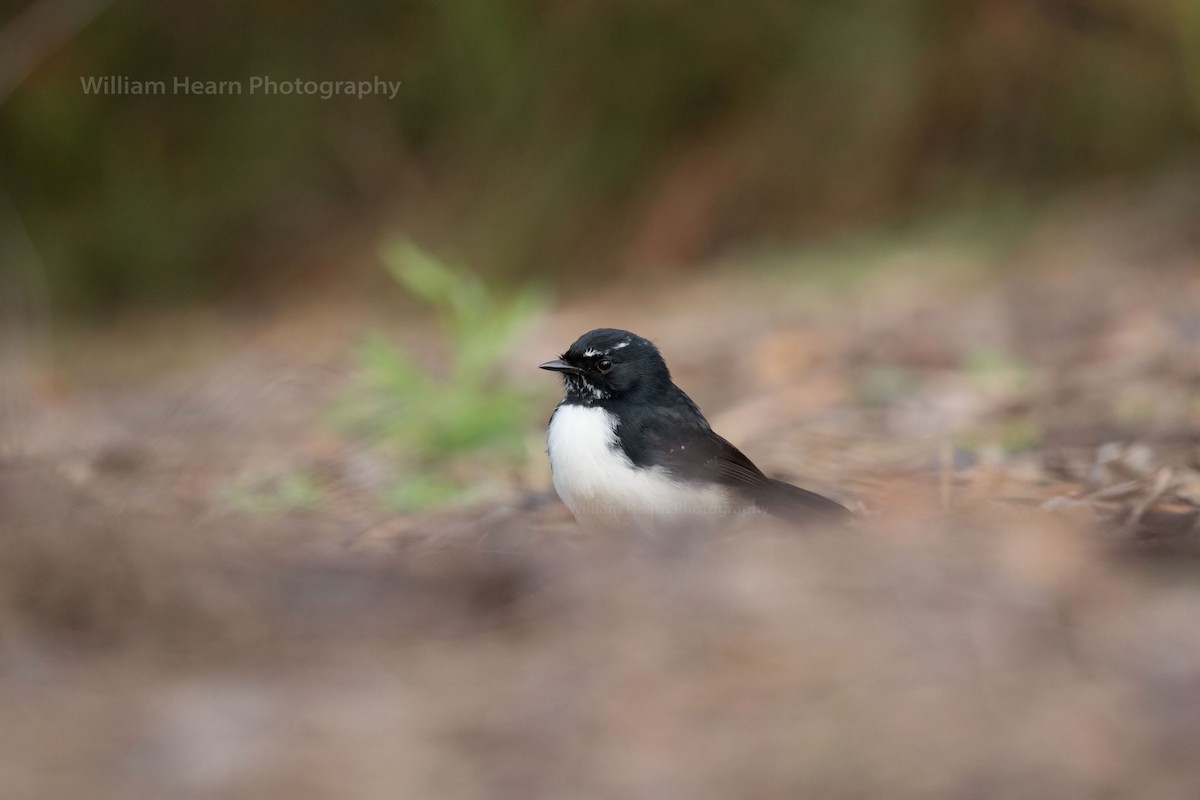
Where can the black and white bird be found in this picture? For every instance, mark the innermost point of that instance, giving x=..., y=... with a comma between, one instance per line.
x=630, y=451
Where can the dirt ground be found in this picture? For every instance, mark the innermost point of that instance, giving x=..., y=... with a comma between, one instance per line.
x=1012, y=615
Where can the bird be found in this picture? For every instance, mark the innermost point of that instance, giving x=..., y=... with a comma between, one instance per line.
x=629, y=450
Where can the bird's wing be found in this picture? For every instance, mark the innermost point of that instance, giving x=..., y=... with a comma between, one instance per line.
x=679, y=439
x=676, y=436
x=721, y=462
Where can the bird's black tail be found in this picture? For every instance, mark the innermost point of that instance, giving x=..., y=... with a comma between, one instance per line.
x=794, y=504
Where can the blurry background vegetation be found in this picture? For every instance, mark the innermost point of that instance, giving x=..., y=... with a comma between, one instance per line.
x=423, y=420
x=532, y=138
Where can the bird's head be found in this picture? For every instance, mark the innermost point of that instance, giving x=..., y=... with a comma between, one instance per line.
x=607, y=363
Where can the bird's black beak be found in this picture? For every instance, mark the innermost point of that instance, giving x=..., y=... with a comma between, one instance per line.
x=558, y=365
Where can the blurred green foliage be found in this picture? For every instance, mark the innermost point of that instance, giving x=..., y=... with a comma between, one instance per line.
x=996, y=372
x=274, y=495
x=533, y=134
x=422, y=417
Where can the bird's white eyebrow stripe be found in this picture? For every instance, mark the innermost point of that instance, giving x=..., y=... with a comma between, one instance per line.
x=622, y=344
x=589, y=353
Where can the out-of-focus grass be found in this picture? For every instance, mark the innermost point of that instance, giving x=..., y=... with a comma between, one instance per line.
x=994, y=371
x=423, y=420
x=972, y=238
x=1011, y=436
x=289, y=492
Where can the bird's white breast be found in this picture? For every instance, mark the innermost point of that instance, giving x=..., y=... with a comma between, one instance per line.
x=604, y=489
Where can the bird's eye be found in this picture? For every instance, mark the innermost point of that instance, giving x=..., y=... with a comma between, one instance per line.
x=603, y=365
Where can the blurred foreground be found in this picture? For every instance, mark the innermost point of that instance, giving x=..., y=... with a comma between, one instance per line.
x=978, y=657
x=1014, y=617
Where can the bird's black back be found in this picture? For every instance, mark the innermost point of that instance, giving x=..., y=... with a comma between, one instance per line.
x=665, y=428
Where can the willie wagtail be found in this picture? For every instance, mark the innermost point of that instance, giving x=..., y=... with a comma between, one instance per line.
x=629, y=450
